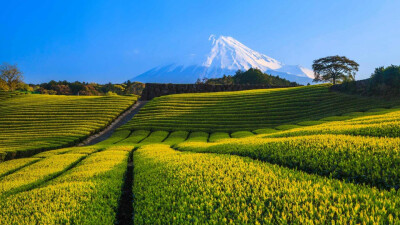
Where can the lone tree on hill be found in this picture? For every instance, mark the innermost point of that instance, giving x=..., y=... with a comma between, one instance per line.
x=334, y=68
x=10, y=75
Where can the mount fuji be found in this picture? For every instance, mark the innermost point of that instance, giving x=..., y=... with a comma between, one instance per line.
x=227, y=55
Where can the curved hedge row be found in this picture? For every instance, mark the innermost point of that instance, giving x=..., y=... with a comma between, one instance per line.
x=30, y=124
x=247, y=110
x=374, y=161
x=172, y=187
x=385, y=123
x=87, y=193
x=9, y=94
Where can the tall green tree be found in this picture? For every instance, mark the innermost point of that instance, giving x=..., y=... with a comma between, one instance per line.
x=334, y=69
x=10, y=75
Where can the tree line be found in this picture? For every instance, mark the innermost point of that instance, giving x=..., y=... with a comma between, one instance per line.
x=333, y=69
x=251, y=76
x=11, y=79
x=84, y=88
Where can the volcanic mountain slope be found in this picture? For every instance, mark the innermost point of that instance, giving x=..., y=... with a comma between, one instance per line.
x=227, y=55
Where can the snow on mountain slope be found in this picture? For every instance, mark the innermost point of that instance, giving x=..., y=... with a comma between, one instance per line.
x=227, y=55
x=231, y=54
x=297, y=70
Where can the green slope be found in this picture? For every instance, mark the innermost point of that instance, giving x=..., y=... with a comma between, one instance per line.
x=336, y=164
x=32, y=123
x=247, y=110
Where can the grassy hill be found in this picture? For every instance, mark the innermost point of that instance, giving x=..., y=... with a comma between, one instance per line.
x=337, y=164
x=4, y=95
x=32, y=123
x=247, y=110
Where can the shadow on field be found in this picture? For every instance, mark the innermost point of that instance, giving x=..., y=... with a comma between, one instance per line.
x=125, y=207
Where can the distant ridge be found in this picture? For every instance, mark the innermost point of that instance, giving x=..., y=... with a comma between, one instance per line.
x=227, y=55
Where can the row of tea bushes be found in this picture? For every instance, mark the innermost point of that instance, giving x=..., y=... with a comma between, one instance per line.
x=30, y=124
x=172, y=187
x=87, y=193
x=248, y=110
x=386, y=123
x=370, y=160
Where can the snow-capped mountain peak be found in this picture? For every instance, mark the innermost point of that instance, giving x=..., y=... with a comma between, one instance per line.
x=227, y=55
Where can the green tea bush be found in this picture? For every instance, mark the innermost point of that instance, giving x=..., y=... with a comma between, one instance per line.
x=217, y=136
x=172, y=187
x=198, y=137
x=241, y=134
x=369, y=160
x=176, y=137
x=30, y=124
x=248, y=110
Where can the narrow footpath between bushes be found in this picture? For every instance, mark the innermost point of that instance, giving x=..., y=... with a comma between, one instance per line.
x=121, y=120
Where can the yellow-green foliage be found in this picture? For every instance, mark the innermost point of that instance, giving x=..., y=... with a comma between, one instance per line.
x=247, y=110
x=115, y=137
x=9, y=166
x=53, y=152
x=336, y=118
x=217, y=136
x=242, y=134
x=86, y=150
x=75, y=150
x=311, y=122
x=86, y=194
x=4, y=95
x=374, y=161
x=155, y=137
x=171, y=187
x=385, y=124
x=37, y=172
x=176, y=137
x=33, y=123
x=135, y=137
x=287, y=156
x=287, y=127
x=264, y=131
x=198, y=136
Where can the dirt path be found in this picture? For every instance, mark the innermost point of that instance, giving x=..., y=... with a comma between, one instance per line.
x=121, y=120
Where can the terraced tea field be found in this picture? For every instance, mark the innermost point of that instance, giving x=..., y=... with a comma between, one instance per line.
x=247, y=110
x=5, y=94
x=33, y=123
x=337, y=165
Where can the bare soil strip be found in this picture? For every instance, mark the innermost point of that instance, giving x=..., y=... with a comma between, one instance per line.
x=125, y=207
x=121, y=120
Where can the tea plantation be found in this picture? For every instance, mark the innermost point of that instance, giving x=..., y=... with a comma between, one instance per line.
x=247, y=110
x=33, y=123
x=301, y=155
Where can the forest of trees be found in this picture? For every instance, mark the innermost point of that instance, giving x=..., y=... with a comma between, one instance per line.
x=84, y=88
x=11, y=79
x=251, y=76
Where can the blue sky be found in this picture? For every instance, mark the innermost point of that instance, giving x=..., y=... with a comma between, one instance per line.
x=102, y=41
